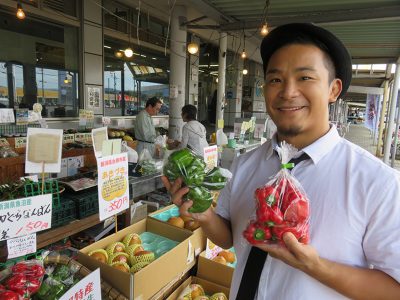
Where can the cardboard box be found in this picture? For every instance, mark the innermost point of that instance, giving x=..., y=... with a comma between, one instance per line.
x=149, y=280
x=209, y=287
x=214, y=271
x=141, y=209
x=198, y=238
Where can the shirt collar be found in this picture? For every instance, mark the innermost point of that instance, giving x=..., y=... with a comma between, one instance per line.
x=316, y=150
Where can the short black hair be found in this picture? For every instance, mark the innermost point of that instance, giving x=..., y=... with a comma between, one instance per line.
x=153, y=101
x=190, y=112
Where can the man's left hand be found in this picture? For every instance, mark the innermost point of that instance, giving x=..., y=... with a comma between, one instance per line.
x=298, y=255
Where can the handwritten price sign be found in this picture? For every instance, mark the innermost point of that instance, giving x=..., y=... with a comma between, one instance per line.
x=21, y=245
x=25, y=216
x=211, y=156
x=88, y=288
x=113, y=184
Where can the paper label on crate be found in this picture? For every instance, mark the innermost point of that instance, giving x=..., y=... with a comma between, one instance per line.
x=113, y=184
x=211, y=156
x=21, y=246
x=83, y=137
x=20, y=142
x=7, y=115
x=88, y=288
x=24, y=216
x=4, y=142
x=68, y=138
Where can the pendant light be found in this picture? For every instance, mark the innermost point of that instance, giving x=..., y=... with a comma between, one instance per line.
x=20, y=12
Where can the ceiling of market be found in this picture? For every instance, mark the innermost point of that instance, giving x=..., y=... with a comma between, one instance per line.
x=370, y=29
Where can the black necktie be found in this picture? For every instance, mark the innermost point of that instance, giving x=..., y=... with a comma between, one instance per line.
x=256, y=260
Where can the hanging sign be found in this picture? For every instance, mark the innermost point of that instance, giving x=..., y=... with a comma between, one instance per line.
x=113, y=184
x=211, y=156
x=24, y=216
x=88, y=288
x=21, y=246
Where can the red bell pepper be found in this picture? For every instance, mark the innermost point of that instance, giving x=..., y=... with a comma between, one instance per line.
x=8, y=295
x=19, y=268
x=266, y=196
x=16, y=282
x=2, y=288
x=256, y=233
x=33, y=285
x=300, y=232
x=297, y=211
x=35, y=271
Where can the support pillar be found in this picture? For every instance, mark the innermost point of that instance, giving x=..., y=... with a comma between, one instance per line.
x=223, y=40
x=391, y=125
x=177, y=71
x=383, y=112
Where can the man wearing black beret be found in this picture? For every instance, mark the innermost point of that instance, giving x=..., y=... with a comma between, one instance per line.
x=354, y=248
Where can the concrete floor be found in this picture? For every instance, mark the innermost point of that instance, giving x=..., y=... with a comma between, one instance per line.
x=361, y=136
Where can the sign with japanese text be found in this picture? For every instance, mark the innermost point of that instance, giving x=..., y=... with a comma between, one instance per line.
x=211, y=156
x=212, y=250
x=88, y=288
x=20, y=142
x=68, y=138
x=113, y=184
x=24, y=216
x=86, y=118
x=85, y=137
x=21, y=245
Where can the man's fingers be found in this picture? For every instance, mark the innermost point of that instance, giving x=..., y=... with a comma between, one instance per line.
x=166, y=182
x=177, y=197
x=292, y=243
x=184, y=208
x=176, y=186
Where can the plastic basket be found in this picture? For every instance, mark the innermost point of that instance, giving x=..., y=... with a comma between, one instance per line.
x=50, y=187
x=86, y=202
x=64, y=213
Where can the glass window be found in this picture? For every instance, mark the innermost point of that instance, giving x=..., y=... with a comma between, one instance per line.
x=39, y=65
x=112, y=93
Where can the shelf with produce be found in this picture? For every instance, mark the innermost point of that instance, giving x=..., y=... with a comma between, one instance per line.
x=53, y=235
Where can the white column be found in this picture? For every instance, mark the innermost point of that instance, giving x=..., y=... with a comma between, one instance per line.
x=223, y=40
x=383, y=111
x=177, y=72
x=391, y=125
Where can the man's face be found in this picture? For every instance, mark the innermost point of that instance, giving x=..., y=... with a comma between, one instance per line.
x=155, y=109
x=297, y=91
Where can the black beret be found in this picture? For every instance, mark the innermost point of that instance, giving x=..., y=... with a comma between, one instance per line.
x=288, y=33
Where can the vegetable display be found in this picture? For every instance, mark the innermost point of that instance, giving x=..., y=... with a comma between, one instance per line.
x=184, y=163
x=282, y=206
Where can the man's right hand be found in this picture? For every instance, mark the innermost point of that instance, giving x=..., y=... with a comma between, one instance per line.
x=177, y=193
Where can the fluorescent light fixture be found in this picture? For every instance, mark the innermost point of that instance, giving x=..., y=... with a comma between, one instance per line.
x=108, y=47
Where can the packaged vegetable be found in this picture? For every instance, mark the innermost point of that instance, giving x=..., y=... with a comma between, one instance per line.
x=193, y=170
x=281, y=206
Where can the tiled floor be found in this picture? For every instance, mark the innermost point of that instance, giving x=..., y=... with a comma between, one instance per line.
x=360, y=135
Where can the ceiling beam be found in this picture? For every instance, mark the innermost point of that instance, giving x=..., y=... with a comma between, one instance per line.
x=322, y=18
x=365, y=90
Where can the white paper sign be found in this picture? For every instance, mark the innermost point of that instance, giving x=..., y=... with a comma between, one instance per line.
x=211, y=156
x=99, y=135
x=121, y=123
x=20, y=142
x=212, y=250
x=113, y=184
x=21, y=245
x=106, y=121
x=88, y=288
x=24, y=216
x=43, y=145
x=236, y=128
x=7, y=115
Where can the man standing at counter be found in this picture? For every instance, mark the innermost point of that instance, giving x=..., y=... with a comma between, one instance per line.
x=145, y=132
x=354, y=198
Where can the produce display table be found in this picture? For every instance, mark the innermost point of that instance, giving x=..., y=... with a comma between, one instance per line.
x=140, y=186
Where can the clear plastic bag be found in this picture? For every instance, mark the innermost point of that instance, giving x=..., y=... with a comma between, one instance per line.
x=161, y=145
x=282, y=206
x=146, y=164
x=22, y=280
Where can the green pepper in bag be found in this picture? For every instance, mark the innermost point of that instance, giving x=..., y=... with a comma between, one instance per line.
x=182, y=158
x=195, y=173
x=201, y=198
x=214, y=180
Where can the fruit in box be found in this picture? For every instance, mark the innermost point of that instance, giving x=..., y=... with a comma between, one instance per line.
x=115, y=247
x=228, y=255
x=185, y=219
x=176, y=221
x=118, y=257
x=127, y=138
x=131, y=239
x=131, y=250
x=202, y=298
x=142, y=256
x=218, y=296
x=124, y=267
x=137, y=267
x=100, y=255
x=220, y=259
x=192, y=224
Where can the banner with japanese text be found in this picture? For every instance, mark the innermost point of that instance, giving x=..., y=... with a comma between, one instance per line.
x=211, y=156
x=113, y=184
x=372, y=110
x=24, y=216
x=88, y=288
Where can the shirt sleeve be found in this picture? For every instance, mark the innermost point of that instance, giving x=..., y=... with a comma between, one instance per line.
x=185, y=138
x=381, y=242
x=144, y=128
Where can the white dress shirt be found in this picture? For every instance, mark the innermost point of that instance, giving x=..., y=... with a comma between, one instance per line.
x=354, y=207
x=194, y=137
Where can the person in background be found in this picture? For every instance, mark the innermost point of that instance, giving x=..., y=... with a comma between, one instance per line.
x=354, y=197
x=193, y=132
x=145, y=132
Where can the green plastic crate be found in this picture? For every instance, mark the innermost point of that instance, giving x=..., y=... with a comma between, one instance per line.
x=86, y=202
x=50, y=187
x=63, y=214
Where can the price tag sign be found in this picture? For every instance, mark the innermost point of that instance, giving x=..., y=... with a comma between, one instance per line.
x=21, y=245
x=113, y=184
x=88, y=288
x=3, y=142
x=68, y=138
x=212, y=250
x=83, y=137
x=20, y=142
x=211, y=156
x=106, y=121
x=24, y=216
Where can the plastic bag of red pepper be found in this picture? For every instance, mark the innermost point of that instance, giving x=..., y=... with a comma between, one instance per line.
x=281, y=206
x=22, y=280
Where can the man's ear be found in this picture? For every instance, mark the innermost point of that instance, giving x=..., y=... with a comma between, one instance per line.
x=335, y=89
